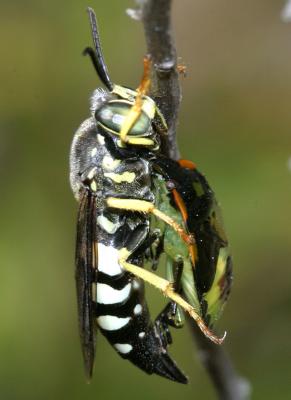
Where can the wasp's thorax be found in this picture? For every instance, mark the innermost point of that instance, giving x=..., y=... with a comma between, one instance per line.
x=112, y=109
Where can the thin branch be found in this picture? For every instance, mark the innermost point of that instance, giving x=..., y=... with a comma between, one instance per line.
x=229, y=385
x=156, y=18
x=165, y=87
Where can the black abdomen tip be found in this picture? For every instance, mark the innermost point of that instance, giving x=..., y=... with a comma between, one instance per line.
x=167, y=368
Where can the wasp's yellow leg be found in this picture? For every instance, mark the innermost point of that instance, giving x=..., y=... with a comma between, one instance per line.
x=148, y=207
x=167, y=289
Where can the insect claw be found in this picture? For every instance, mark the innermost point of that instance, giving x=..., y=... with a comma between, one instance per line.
x=208, y=333
x=217, y=340
x=223, y=337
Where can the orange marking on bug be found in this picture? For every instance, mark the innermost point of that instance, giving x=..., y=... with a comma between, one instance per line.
x=187, y=164
x=181, y=205
x=193, y=254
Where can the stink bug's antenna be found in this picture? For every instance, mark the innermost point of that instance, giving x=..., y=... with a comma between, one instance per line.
x=96, y=55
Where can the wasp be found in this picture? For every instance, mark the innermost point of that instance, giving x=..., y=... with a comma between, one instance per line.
x=134, y=205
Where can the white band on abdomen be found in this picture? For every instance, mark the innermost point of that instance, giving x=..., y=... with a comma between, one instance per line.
x=107, y=295
x=112, y=323
x=108, y=258
x=123, y=348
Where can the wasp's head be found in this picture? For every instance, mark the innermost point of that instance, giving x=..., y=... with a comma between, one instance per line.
x=131, y=116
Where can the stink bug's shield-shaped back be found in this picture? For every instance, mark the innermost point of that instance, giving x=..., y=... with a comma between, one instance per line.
x=207, y=266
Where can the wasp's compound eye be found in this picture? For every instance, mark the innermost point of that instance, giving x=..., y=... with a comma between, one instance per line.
x=112, y=115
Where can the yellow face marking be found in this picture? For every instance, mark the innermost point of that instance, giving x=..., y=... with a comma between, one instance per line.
x=125, y=93
x=136, y=141
x=140, y=141
x=109, y=163
x=118, y=178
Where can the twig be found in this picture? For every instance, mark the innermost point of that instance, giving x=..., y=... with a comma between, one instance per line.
x=165, y=89
x=229, y=385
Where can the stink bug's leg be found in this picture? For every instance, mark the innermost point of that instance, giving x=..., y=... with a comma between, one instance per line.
x=148, y=207
x=145, y=82
x=167, y=317
x=166, y=288
x=178, y=268
x=135, y=110
x=159, y=251
x=189, y=239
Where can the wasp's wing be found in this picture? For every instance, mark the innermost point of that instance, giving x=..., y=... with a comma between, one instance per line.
x=86, y=266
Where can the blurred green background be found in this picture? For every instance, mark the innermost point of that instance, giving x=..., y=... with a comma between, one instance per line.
x=235, y=123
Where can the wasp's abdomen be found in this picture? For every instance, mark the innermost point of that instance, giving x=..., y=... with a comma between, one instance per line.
x=123, y=317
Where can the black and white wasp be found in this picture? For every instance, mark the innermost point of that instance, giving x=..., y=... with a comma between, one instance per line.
x=132, y=207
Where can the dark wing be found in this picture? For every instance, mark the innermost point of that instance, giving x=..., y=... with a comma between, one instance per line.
x=86, y=266
x=201, y=214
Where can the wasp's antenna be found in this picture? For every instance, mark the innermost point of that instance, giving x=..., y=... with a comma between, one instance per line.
x=96, y=55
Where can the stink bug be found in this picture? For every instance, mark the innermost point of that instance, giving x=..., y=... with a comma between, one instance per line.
x=202, y=271
x=115, y=164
